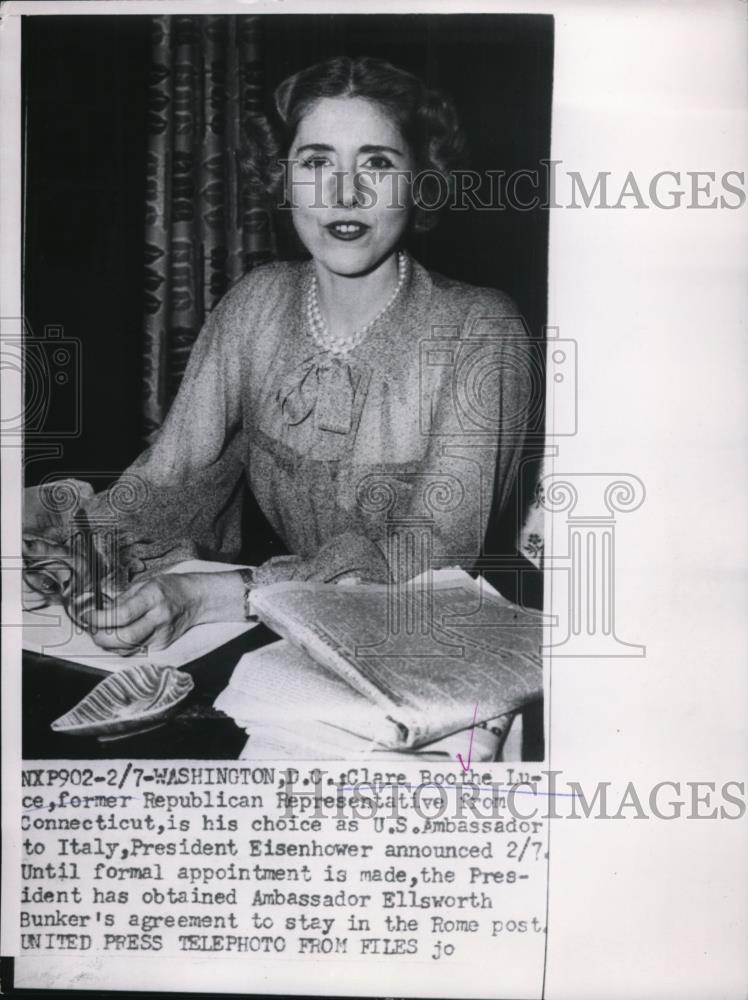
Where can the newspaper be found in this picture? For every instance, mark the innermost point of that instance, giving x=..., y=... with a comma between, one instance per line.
x=467, y=655
x=319, y=715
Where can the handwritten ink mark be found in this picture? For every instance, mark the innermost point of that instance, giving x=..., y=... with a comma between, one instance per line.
x=466, y=767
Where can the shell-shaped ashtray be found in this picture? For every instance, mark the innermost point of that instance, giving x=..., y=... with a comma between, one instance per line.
x=139, y=697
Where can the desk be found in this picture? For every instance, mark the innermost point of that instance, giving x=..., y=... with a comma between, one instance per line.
x=196, y=731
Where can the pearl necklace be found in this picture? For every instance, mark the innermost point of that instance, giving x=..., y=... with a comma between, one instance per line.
x=342, y=345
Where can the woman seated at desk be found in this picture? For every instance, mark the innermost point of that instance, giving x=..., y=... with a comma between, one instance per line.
x=355, y=391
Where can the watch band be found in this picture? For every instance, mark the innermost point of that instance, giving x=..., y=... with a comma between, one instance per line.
x=248, y=581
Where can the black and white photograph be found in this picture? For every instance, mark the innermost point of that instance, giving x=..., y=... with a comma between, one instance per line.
x=285, y=304
x=372, y=440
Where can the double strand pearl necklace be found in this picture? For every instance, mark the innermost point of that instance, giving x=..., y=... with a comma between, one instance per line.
x=342, y=345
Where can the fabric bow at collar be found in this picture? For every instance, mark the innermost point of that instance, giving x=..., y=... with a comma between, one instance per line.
x=324, y=385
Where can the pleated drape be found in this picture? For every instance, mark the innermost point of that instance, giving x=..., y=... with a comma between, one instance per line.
x=206, y=225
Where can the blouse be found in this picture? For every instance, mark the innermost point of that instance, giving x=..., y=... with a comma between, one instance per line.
x=376, y=464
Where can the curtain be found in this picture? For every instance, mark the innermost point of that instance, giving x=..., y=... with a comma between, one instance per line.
x=206, y=225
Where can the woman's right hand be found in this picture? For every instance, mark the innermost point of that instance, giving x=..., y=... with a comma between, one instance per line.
x=157, y=611
x=152, y=613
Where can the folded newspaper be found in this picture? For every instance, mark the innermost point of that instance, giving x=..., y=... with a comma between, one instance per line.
x=400, y=666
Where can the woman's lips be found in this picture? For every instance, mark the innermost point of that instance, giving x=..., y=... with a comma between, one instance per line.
x=347, y=230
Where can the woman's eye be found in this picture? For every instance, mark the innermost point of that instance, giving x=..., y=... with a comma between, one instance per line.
x=315, y=162
x=378, y=162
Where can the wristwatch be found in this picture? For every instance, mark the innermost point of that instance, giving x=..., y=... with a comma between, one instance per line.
x=248, y=581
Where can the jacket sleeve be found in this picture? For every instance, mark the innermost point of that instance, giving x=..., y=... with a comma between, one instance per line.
x=181, y=497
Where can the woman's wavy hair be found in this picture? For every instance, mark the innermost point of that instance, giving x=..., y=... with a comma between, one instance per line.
x=426, y=119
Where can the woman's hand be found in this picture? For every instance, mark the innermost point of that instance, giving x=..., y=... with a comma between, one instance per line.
x=153, y=614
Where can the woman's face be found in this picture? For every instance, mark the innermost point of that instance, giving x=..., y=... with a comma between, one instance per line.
x=349, y=184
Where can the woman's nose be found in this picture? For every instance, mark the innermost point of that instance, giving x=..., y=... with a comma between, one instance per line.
x=345, y=189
